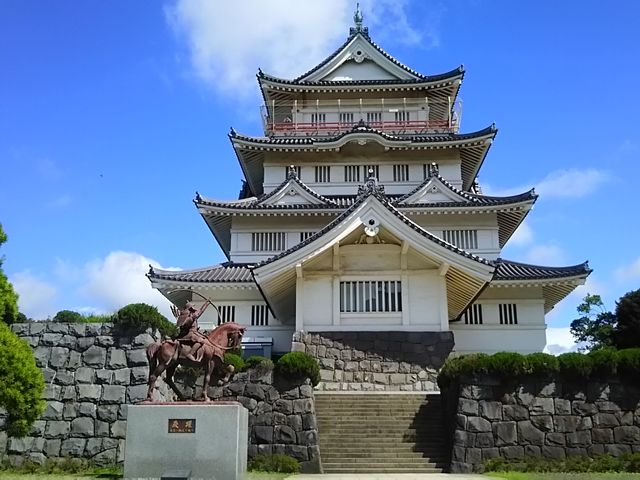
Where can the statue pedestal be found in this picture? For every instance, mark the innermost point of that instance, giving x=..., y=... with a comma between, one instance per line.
x=207, y=440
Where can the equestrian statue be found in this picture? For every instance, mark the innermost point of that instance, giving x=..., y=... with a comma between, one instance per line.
x=193, y=348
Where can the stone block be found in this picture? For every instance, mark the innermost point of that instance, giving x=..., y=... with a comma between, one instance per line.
x=543, y=422
x=93, y=447
x=75, y=360
x=35, y=328
x=380, y=378
x=515, y=412
x=105, y=341
x=490, y=410
x=70, y=411
x=67, y=341
x=42, y=355
x=562, y=406
x=579, y=439
x=307, y=437
x=52, y=448
x=20, y=445
x=85, y=375
x=53, y=411
x=284, y=434
x=528, y=434
x=52, y=392
x=478, y=424
x=262, y=434
x=87, y=409
x=566, y=423
x=512, y=452
x=541, y=406
x=57, y=429
x=84, y=343
x=627, y=434
x=113, y=394
x=139, y=375
x=601, y=420
x=532, y=451
x=73, y=447
x=580, y=407
x=118, y=429
x=556, y=453
x=50, y=339
x=95, y=356
x=65, y=377
x=89, y=393
x=136, y=357
x=77, y=329
x=617, y=450
x=397, y=378
x=82, y=427
x=468, y=407
x=505, y=433
x=121, y=376
x=555, y=439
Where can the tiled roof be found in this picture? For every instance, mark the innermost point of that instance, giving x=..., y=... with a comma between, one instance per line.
x=228, y=272
x=373, y=189
x=509, y=270
x=367, y=38
x=364, y=128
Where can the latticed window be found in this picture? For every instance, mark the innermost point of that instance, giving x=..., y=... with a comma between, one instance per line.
x=346, y=118
x=352, y=173
x=305, y=235
x=473, y=315
x=297, y=169
x=508, y=313
x=465, y=239
x=268, y=241
x=259, y=315
x=318, y=118
x=374, y=117
x=370, y=170
x=401, y=173
x=323, y=174
x=402, y=116
x=226, y=314
x=369, y=296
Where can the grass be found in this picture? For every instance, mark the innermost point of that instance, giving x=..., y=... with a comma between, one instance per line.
x=563, y=476
x=25, y=476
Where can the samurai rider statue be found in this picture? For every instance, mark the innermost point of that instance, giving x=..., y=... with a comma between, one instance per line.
x=189, y=334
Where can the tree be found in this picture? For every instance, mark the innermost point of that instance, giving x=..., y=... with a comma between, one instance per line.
x=627, y=330
x=8, y=297
x=68, y=316
x=21, y=383
x=595, y=328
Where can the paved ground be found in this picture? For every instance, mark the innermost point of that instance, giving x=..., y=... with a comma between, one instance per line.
x=388, y=476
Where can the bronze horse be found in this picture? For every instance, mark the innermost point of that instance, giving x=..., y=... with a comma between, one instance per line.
x=167, y=355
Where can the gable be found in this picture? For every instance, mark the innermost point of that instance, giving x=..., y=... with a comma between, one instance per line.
x=434, y=191
x=292, y=193
x=358, y=60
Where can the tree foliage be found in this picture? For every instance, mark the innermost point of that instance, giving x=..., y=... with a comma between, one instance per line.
x=627, y=330
x=68, y=316
x=21, y=383
x=140, y=316
x=594, y=329
x=8, y=296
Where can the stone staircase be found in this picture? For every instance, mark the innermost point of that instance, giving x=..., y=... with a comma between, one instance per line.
x=381, y=433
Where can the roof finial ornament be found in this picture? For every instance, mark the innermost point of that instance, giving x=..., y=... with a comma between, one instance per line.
x=357, y=21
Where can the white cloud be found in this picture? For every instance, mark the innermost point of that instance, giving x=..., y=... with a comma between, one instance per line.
x=227, y=43
x=629, y=272
x=522, y=236
x=36, y=295
x=119, y=279
x=560, y=340
x=545, y=255
x=571, y=183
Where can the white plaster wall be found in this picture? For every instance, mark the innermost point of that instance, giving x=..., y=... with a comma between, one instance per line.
x=366, y=70
x=426, y=300
x=496, y=338
x=317, y=298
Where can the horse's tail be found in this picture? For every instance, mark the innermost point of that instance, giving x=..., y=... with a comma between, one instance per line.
x=152, y=356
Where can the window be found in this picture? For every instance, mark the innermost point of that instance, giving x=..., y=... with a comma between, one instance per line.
x=402, y=116
x=318, y=118
x=371, y=170
x=352, y=173
x=465, y=239
x=401, y=173
x=508, y=314
x=259, y=315
x=346, y=118
x=226, y=314
x=305, y=235
x=427, y=167
x=473, y=315
x=268, y=241
x=371, y=296
x=374, y=117
x=297, y=169
x=323, y=174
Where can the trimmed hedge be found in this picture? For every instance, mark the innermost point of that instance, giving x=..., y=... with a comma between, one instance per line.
x=258, y=362
x=299, y=364
x=140, y=316
x=21, y=383
x=235, y=360
x=510, y=365
x=629, y=462
x=274, y=463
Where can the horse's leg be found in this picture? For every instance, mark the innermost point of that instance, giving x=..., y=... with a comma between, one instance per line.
x=153, y=376
x=208, y=370
x=168, y=377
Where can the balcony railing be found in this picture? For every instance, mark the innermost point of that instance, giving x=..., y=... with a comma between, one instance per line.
x=411, y=116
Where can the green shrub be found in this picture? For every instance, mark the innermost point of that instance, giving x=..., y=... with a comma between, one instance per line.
x=235, y=360
x=258, y=362
x=507, y=364
x=464, y=365
x=575, y=365
x=140, y=316
x=629, y=462
x=541, y=364
x=102, y=318
x=21, y=383
x=274, y=463
x=68, y=316
x=629, y=364
x=605, y=362
x=299, y=364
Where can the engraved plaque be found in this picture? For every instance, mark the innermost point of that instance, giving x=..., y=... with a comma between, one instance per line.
x=182, y=425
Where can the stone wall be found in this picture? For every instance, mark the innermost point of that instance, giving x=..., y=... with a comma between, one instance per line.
x=282, y=417
x=541, y=418
x=92, y=373
x=90, y=376
x=405, y=361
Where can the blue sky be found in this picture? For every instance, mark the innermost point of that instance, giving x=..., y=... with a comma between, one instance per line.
x=112, y=115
